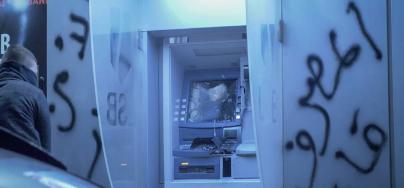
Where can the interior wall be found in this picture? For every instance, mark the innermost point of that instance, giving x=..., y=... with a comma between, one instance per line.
x=71, y=93
x=182, y=14
x=166, y=102
x=161, y=124
x=265, y=63
x=177, y=81
x=397, y=59
x=154, y=126
x=336, y=100
x=248, y=134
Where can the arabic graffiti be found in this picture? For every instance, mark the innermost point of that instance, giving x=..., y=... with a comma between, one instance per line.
x=65, y=87
x=62, y=78
x=315, y=65
x=82, y=39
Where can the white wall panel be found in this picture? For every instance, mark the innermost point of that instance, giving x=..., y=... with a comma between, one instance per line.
x=335, y=80
x=71, y=93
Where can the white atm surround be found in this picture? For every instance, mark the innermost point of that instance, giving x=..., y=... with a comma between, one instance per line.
x=166, y=105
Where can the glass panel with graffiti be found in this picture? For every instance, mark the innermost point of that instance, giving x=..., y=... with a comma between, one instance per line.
x=336, y=111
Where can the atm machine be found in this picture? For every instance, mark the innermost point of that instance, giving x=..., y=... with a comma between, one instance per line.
x=211, y=126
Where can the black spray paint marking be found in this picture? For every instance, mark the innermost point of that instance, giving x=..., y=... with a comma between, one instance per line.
x=304, y=101
x=345, y=61
x=289, y=145
x=308, y=145
x=82, y=39
x=375, y=146
x=97, y=139
x=354, y=125
x=62, y=78
x=59, y=43
x=315, y=81
x=52, y=108
x=94, y=112
x=354, y=8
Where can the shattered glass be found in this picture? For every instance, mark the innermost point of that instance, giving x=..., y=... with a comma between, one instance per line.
x=212, y=101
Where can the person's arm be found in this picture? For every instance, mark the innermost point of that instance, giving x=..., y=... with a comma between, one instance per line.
x=43, y=123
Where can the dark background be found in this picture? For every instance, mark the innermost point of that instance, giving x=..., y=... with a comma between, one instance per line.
x=33, y=35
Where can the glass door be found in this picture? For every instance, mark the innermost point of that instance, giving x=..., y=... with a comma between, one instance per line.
x=319, y=77
x=120, y=89
x=335, y=91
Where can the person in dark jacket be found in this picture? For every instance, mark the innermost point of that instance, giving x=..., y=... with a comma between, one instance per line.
x=23, y=106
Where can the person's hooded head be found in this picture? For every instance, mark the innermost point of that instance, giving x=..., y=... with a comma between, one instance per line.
x=19, y=63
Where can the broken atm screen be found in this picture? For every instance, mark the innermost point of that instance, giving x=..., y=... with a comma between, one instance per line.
x=212, y=101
